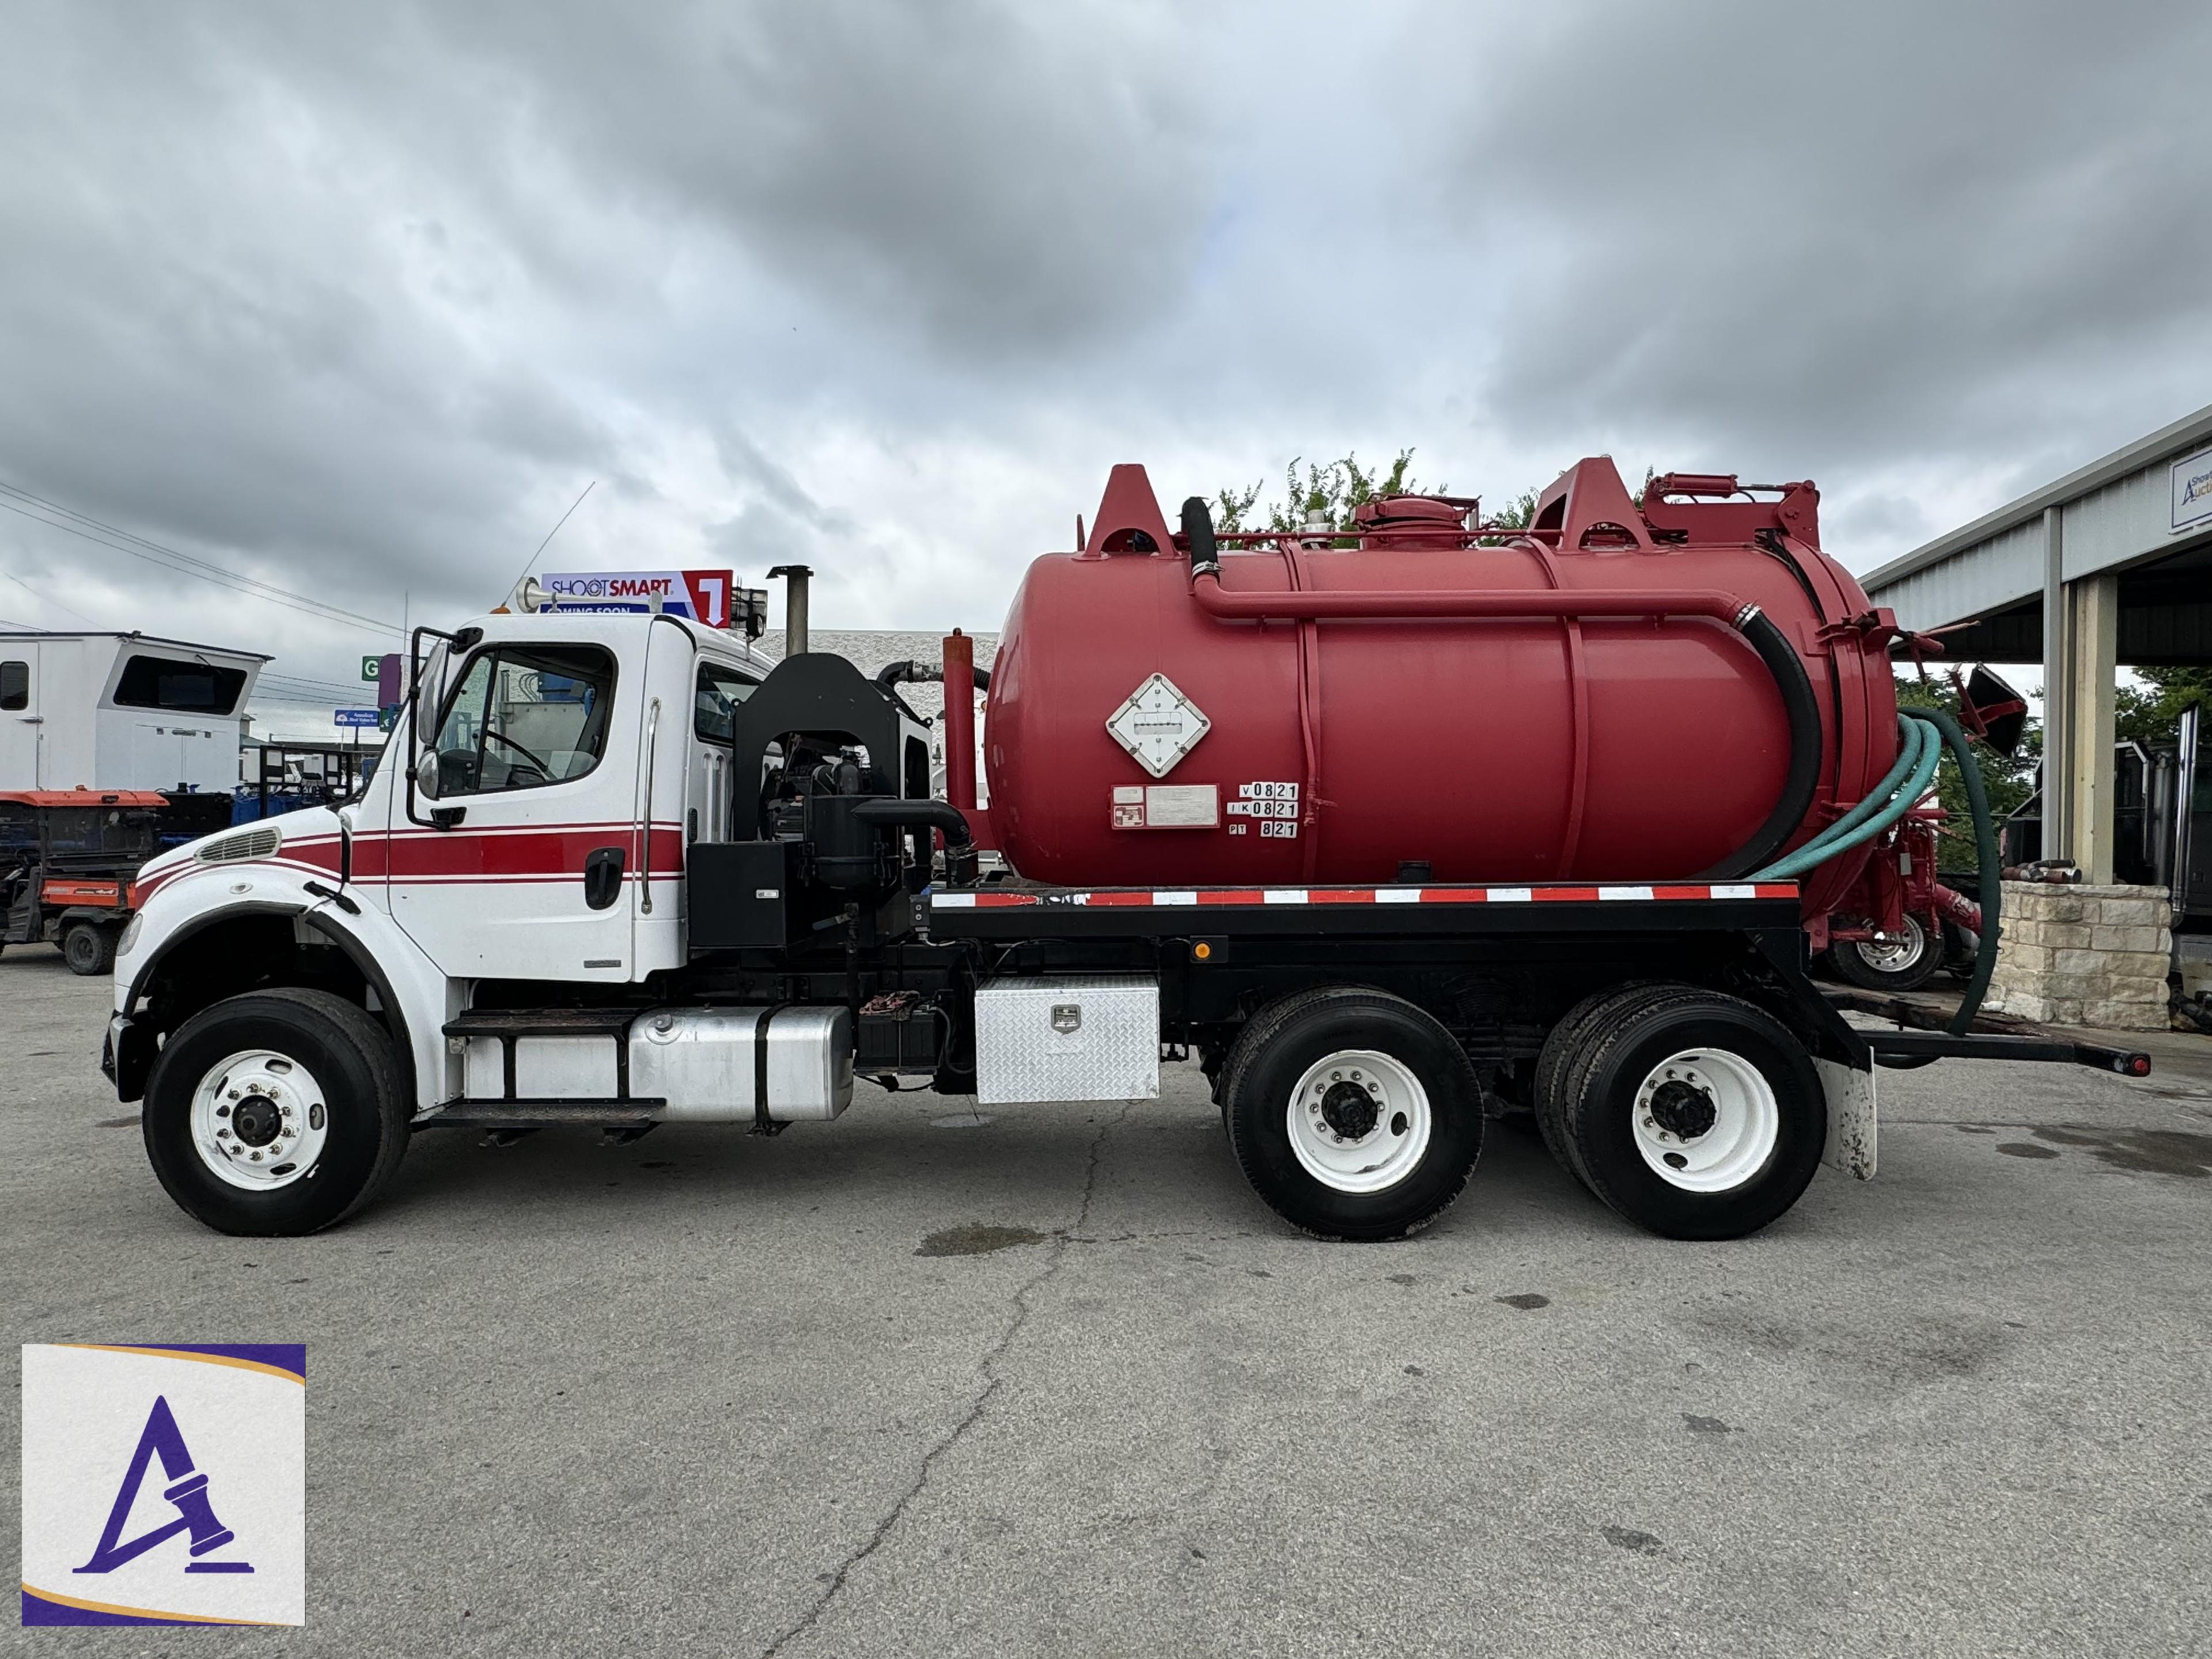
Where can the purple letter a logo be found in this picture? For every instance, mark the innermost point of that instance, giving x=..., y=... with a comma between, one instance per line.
x=186, y=1489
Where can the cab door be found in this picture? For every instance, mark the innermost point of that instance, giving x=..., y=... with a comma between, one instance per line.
x=528, y=866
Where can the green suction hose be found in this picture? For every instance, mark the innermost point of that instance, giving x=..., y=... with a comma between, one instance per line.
x=1913, y=741
x=1925, y=750
x=1923, y=736
x=1986, y=855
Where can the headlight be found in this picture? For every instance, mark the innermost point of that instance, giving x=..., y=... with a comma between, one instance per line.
x=128, y=942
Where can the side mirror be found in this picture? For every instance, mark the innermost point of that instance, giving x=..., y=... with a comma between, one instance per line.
x=426, y=773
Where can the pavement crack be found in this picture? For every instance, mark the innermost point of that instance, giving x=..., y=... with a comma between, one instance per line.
x=1056, y=1253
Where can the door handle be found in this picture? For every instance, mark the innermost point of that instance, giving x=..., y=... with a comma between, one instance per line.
x=603, y=877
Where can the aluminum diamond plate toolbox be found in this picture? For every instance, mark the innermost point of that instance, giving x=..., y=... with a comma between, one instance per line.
x=1085, y=1036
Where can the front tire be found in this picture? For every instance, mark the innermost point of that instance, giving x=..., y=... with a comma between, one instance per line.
x=276, y=1114
x=1695, y=1114
x=1353, y=1114
x=89, y=949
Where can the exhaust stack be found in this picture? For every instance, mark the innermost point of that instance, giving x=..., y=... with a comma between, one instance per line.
x=794, y=606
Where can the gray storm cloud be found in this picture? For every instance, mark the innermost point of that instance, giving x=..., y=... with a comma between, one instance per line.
x=357, y=300
x=1949, y=227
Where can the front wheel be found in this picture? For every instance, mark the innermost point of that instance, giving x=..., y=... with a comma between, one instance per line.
x=1352, y=1113
x=276, y=1114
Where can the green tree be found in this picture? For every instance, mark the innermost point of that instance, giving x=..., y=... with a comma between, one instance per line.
x=1518, y=513
x=2149, y=715
x=1333, y=492
x=1330, y=492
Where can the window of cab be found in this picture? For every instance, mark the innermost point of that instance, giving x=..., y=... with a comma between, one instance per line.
x=721, y=689
x=523, y=716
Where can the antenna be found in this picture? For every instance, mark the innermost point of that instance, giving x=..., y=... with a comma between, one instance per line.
x=554, y=531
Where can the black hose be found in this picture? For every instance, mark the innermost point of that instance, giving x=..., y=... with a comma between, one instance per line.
x=890, y=814
x=896, y=673
x=1198, y=531
x=1788, y=671
x=1986, y=851
x=959, y=840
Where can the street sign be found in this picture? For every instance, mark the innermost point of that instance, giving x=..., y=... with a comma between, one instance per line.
x=387, y=718
x=355, y=717
x=370, y=667
x=701, y=595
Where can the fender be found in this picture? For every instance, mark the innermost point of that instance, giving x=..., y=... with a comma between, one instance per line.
x=127, y=1058
x=417, y=997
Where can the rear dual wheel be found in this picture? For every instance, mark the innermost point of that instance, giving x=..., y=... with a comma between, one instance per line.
x=1352, y=1113
x=1693, y=1114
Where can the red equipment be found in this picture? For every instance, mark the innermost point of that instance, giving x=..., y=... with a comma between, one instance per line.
x=67, y=857
x=1429, y=698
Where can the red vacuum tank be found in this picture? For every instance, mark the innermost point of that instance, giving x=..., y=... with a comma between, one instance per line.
x=1617, y=694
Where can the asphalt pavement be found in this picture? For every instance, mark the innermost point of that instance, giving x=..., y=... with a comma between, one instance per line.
x=1056, y=1382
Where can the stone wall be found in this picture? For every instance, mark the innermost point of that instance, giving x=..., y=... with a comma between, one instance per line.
x=2084, y=956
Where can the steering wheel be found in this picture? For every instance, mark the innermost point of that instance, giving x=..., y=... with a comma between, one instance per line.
x=544, y=766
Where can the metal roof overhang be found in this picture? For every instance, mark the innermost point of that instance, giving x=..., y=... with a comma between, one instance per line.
x=2116, y=515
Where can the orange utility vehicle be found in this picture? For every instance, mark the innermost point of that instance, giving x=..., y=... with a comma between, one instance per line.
x=67, y=860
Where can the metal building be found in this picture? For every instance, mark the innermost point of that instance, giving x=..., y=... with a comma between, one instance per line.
x=2109, y=567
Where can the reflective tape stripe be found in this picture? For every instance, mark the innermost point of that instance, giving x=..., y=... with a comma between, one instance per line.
x=1140, y=898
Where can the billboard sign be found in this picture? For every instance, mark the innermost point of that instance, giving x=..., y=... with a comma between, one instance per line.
x=361, y=719
x=701, y=595
x=2192, y=492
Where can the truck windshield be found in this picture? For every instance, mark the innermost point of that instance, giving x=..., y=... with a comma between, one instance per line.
x=522, y=717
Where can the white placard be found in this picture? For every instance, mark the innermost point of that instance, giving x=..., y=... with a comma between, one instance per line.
x=1158, y=725
x=1182, y=806
x=2193, y=491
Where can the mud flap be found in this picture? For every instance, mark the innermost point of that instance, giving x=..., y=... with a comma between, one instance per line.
x=1851, y=1119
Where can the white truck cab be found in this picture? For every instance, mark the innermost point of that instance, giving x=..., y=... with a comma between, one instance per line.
x=532, y=829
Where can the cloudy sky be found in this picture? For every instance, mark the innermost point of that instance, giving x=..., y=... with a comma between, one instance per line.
x=354, y=300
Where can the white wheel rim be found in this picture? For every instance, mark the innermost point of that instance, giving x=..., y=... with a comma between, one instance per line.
x=1679, y=1095
x=259, y=1120
x=1898, y=956
x=1329, y=1130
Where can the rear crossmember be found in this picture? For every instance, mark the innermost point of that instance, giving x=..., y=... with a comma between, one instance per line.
x=1992, y=1037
